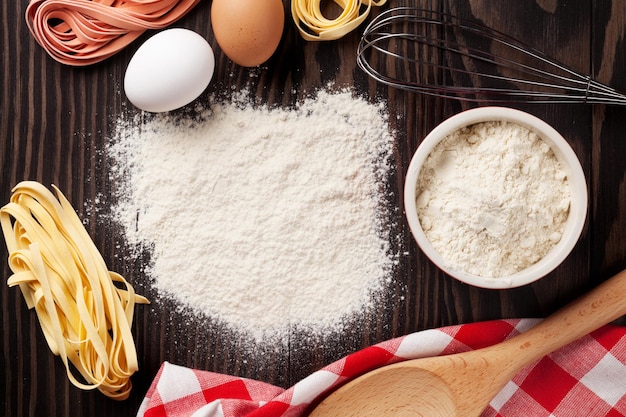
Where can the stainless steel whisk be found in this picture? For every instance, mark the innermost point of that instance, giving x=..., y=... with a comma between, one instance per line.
x=436, y=53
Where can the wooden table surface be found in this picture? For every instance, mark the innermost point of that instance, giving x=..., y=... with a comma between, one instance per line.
x=55, y=120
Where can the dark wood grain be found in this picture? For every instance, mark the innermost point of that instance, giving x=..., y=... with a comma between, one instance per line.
x=55, y=121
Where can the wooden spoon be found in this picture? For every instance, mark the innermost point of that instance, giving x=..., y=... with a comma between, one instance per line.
x=463, y=384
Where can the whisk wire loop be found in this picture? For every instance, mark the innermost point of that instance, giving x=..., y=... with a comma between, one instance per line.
x=436, y=53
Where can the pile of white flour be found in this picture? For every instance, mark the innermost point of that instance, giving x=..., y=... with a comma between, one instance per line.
x=492, y=199
x=266, y=219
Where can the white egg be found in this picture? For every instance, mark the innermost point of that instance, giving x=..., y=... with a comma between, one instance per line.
x=170, y=70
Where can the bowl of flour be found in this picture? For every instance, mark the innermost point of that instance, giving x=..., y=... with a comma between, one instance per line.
x=495, y=197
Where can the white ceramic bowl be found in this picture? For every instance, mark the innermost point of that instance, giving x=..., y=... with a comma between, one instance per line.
x=564, y=153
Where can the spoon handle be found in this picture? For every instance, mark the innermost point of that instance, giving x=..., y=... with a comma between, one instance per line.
x=603, y=304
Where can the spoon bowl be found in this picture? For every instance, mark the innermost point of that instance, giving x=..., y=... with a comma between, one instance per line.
x=463, y=384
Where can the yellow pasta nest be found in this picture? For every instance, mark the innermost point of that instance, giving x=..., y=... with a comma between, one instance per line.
x=85, y=311
x=314, y=26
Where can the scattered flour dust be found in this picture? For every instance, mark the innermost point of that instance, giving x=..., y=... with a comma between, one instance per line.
x=492, y=198
x=265, y=219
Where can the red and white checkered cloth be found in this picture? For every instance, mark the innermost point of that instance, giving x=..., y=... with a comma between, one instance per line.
x=586, y=378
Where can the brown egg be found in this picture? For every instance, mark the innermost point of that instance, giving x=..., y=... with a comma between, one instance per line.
x=248, y=31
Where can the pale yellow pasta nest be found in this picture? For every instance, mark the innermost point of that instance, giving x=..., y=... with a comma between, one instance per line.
x=85, y=318
x=314, y=26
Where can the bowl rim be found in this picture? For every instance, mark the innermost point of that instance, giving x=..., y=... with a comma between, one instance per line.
x=569, y=161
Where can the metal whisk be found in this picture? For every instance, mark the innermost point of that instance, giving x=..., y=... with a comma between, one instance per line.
x=435, y=53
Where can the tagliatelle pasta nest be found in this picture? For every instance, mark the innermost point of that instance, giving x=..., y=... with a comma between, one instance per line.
x=314, y=26
x=85, y=317
x=84, y=32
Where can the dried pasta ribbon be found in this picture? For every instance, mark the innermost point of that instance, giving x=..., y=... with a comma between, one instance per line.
x=85, y=317
x=84, y=32
x=313, y=26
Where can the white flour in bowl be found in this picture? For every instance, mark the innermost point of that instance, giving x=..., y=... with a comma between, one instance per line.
x=492, y=199
x=263, y=218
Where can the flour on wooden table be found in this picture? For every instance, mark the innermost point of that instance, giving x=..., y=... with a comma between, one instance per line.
x=263, y=218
